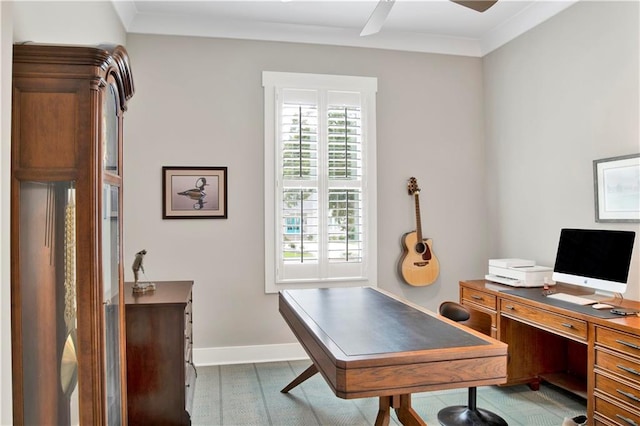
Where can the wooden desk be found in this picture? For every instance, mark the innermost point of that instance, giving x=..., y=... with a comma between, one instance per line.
x=596, y=358
x=366, y=342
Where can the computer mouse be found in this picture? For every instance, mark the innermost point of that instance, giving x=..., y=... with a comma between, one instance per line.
x=601, y=306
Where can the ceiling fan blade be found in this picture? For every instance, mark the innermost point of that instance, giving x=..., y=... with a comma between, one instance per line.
x=477, y=5
x=377, y=18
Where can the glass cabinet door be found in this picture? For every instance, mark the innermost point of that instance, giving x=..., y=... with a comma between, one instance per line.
x=48, y=303
x=111, y=291
x=113, y=351
x=111, y=147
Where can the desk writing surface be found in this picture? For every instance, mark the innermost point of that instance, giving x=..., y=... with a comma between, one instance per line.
x=363, y=321
x=536, y=294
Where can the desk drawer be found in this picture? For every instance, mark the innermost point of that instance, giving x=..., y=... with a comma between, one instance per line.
x=617, y=389
x=622, y=342
x=616, y=414
x=544, y=319
x=617, y=364
x=479, y=297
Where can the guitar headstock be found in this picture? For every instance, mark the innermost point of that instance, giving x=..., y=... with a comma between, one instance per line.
x=412, y=186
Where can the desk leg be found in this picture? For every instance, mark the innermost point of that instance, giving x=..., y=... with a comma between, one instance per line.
x=301, y=378
x=384, y=412
x=402, y=404
x=406, y=414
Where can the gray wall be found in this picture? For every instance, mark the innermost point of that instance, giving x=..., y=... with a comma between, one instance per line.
x=199, y=101
x=557, y=98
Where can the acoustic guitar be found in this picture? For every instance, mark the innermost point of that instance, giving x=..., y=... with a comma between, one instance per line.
x=418, y=265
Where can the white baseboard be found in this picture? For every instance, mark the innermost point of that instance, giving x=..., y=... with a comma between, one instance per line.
x=248, y=354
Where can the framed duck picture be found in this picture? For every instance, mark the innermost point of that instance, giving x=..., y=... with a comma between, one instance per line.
x=194, y=192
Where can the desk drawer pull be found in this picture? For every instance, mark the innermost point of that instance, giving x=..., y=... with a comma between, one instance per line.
x=473, y=296
x=628, y=395
x=510, y=307
x=628, y=369
x=626, y=419
x=631, y=345
x=567, y=325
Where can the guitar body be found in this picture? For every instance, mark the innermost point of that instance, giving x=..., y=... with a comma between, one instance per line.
x=418, y=264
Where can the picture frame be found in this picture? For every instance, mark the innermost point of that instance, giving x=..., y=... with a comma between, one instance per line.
x=617, y=188
x=194, y=192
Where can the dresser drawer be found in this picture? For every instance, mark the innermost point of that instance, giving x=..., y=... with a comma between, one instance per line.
x=616, y=414
x=617, y=389
x=485, y=299
x=544, y=319
x=626, y=367
x=625, y=343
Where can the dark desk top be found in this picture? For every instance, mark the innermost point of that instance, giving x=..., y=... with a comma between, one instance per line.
x=536, y=294
x=363, y=321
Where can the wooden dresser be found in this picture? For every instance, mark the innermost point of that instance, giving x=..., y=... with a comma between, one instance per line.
x=574, y=348
x=160, y=371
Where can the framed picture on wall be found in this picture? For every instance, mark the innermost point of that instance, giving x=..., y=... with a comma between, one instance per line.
x=194, y=192
x=617, y=188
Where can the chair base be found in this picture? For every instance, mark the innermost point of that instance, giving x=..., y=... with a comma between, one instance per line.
x=460, y=415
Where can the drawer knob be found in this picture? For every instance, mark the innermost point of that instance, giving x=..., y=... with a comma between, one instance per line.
x=567, y=325
x=628, y=369
x=628, y=344
x=626, y=420
x=510, y=307
x=628, y=395
x=476, y=297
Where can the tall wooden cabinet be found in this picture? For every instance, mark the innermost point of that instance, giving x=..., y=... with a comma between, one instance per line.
x=67, y=319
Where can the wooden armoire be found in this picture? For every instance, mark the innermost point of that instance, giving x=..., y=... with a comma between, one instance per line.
x=67, y=304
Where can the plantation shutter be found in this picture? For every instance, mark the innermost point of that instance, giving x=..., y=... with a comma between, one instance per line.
x=320, y=200
x=321, y=213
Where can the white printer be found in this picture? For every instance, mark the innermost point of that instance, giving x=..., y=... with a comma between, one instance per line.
x=518, y=272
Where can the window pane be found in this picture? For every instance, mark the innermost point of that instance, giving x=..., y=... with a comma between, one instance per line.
x=299, y=226
x=345, y=225
x=299, y=139
x=344, y=143
x=320, y=162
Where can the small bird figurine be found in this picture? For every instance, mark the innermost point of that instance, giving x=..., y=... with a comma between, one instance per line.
x=137, y=266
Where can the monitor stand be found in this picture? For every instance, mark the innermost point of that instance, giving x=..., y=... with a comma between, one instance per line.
x=601, y=296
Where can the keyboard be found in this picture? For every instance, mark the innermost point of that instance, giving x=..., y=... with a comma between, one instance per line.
x=571, y=298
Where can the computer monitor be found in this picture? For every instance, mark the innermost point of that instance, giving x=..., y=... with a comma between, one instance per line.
x=594, y=258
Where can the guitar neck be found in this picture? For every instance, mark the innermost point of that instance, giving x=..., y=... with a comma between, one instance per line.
x=418, y=221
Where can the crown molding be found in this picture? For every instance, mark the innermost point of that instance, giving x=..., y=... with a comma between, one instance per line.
x=201, y=26
x=126, y=11
x=529, y=18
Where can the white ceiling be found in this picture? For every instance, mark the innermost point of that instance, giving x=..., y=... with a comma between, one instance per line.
x=437, y=26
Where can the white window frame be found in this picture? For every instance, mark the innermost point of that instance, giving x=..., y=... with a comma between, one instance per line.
x=273, y=83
